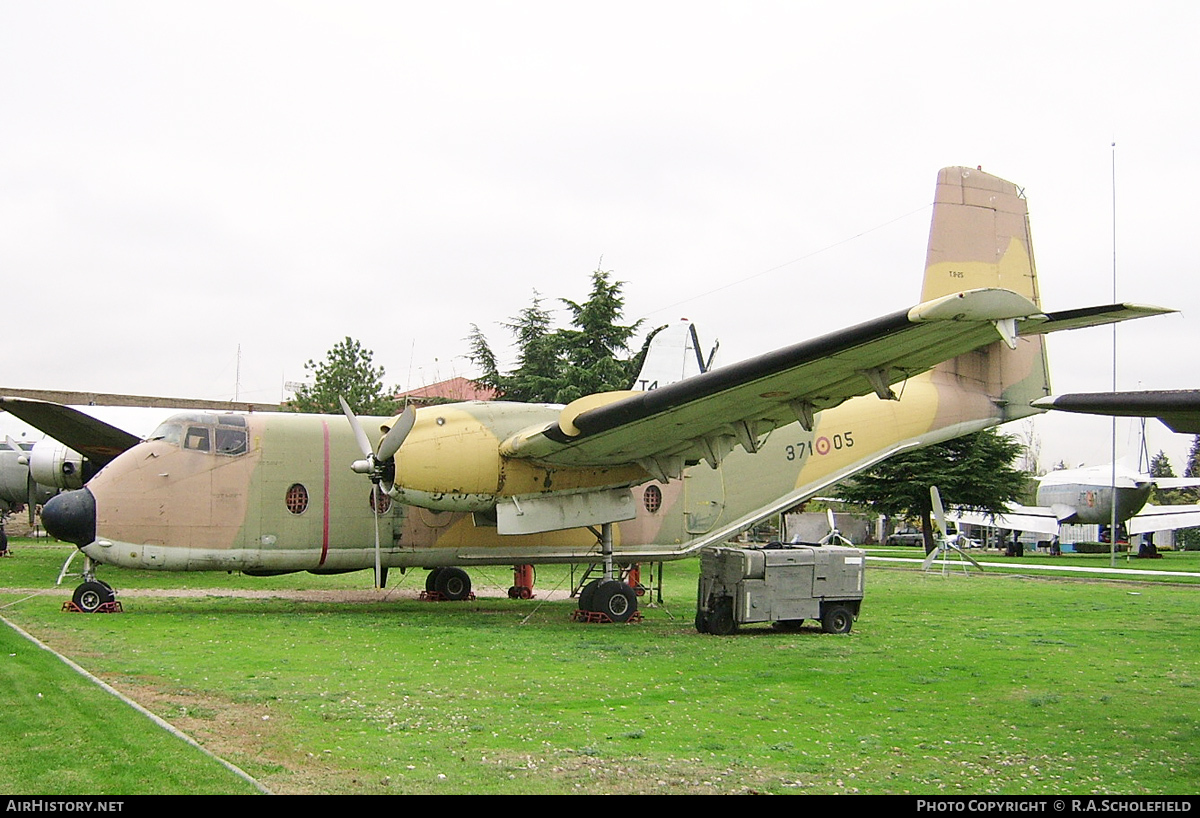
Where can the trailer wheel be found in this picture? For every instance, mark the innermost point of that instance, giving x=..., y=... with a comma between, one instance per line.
x=837, y=619
x=721, y=621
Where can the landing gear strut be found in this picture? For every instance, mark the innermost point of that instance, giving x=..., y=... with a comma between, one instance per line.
x=607, y=599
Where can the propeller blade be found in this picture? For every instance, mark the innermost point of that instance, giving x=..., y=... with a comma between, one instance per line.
x=360, y=436
x=939, y=513
x=375, y=508
x=832, y=519
x=395, y=437
x=31, y=494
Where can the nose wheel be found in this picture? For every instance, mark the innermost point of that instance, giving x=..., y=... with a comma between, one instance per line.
x=92, y=595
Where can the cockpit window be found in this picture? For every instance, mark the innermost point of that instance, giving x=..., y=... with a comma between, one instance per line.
x=196, y=438
x=199, y=431
x=170, y=432
x=230, y=441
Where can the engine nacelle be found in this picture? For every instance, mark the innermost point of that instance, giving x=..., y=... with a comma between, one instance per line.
x=53, y=464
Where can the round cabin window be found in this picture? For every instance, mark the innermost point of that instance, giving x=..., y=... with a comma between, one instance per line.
x=296, y=498
x=652, y=498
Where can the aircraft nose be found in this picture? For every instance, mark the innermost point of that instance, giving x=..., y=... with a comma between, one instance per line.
x=71, y=517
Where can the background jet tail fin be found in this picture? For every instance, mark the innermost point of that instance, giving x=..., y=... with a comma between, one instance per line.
x=672, y=353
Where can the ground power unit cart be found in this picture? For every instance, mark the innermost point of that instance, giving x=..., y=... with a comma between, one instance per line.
x=784, y=584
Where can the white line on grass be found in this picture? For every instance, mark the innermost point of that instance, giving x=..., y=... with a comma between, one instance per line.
x=170, y=728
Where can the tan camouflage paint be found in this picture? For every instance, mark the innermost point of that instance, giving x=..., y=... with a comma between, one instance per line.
x=451, y=462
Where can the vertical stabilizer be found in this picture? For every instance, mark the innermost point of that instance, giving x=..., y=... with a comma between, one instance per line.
x=979, y=237
x=672, y=354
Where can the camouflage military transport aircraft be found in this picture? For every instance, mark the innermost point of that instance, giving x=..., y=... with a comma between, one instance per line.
x=613, y=479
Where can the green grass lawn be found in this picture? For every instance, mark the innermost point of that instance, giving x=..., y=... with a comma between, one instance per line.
x=948, y=684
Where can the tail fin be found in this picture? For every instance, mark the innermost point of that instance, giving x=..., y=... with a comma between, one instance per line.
x=672, y=353
x=980, y=237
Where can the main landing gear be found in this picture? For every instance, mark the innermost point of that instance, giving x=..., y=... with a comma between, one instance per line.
x=447, y=584
x=607, y=599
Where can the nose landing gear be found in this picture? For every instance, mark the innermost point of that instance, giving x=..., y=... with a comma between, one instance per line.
x=92, y=595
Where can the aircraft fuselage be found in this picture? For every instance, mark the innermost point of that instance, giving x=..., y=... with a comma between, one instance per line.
x=287, y=500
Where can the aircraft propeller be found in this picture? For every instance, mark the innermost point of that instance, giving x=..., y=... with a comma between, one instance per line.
x=939, y=511
x=834, y=537
x=31, y=486
x=375, y=463
x=947, y=543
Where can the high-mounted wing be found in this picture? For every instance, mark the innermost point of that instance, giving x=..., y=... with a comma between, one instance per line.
x=94, y=439
x=1178, y=409
x=1017, y=518
x=703, y=417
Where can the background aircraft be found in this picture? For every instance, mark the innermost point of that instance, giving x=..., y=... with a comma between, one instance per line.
x=615, y=478
x=1085, y=496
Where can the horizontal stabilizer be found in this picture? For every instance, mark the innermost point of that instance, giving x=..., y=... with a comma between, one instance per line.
x=1093, y=317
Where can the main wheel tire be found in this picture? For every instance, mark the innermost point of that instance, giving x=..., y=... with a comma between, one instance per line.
x=615, y=599
x=90, y=596
x=431, y=580
x=721, y=621
x=453, y=584
x=587, y=594
x=837, y=619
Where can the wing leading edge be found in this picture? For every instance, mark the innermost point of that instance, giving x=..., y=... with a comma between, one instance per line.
x=703, y=417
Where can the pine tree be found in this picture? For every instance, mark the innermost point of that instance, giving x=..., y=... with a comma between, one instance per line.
x=558, y=366
x=592, y=350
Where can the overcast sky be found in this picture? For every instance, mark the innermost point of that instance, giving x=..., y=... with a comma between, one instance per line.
x=179, y=181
